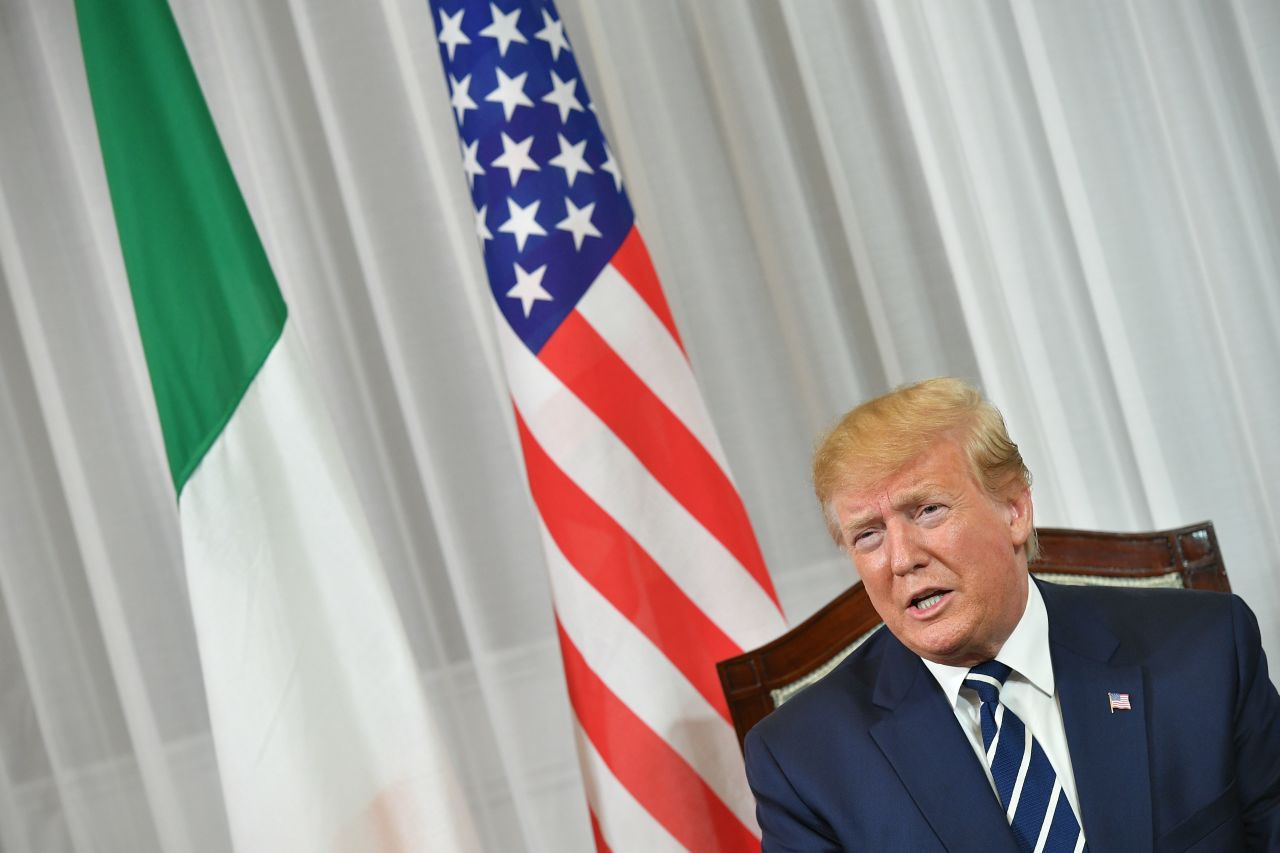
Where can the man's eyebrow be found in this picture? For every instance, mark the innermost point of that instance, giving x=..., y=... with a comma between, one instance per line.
x=858, y=521
x=921, y=493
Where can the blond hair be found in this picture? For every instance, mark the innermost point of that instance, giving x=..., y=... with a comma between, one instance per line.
x=884, y=434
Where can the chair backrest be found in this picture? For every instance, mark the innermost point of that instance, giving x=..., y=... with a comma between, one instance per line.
x=757, y=681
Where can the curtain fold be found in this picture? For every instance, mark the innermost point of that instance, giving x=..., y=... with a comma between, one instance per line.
x=1074, y=206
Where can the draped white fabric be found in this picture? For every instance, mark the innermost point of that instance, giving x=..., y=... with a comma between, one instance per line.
x=1075, y=205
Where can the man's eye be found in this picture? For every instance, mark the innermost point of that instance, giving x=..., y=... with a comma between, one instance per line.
x=930, y=510
x=864, y=539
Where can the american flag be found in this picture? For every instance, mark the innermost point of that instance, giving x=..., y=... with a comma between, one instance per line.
x=1119, y=702
x=655, y=571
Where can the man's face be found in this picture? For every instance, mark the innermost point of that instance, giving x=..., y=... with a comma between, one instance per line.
x=942, y=561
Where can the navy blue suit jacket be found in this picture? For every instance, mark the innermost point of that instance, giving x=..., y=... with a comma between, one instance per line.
x=872, y=757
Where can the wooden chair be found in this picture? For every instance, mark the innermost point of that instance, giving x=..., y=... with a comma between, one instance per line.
x=756, y=682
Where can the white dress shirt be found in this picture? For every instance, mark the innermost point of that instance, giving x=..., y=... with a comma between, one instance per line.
x=1029, y=693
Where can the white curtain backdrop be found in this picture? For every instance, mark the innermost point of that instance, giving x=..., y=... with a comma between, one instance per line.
x=1076, y=205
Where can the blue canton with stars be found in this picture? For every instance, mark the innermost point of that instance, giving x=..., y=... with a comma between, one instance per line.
x=550, y=208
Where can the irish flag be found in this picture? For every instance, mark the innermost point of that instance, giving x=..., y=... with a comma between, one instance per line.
x=320, y=727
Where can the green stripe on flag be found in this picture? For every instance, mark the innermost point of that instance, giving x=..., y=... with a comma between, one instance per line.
x=208, y=306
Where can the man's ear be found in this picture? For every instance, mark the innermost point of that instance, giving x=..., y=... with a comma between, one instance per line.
x=1021, y=517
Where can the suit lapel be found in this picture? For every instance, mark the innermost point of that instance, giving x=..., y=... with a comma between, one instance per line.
x=932, y=757
x=1108, y=749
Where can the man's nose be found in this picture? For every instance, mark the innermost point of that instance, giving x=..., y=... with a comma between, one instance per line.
x=905, y=550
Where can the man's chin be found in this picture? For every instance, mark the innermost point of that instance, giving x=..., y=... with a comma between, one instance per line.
x=933, y=645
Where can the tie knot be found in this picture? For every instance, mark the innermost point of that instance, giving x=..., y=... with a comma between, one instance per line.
x=987, y=679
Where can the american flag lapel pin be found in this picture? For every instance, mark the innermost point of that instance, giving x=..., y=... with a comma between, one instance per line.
x=1119, y=702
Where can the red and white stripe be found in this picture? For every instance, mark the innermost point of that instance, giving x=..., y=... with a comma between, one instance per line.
x=655, y=572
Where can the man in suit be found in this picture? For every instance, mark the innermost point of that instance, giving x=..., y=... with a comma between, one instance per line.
x=996, y=713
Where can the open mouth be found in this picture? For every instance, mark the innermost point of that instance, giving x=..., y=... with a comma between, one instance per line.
x=927, y=601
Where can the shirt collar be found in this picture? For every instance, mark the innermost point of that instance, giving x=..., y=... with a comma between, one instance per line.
x=1026, y=652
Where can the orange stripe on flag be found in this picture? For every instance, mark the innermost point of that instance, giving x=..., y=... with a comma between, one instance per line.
x=621, y=571
x=582, y=360
x=659, y=779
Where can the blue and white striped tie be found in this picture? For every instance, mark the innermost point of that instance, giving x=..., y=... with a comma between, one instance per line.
x=1038, y=811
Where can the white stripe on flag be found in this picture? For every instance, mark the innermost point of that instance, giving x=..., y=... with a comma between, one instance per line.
x=627, y=323
x=603, y=467
x=646, y=682
x=625, y=824
x=322, y=736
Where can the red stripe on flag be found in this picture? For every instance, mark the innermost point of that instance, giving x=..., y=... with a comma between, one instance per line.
x=602, y=846
x=633, y=263
x=623, y=572
x=589, y=367
x=655, y=774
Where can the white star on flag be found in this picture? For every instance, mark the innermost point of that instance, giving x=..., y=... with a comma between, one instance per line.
x=503, y=28
x=515, y=157
x=610, y=165
x=578, y=222
x=562, y=95
x=482, y=227
x=470, y=161
x=528, y=287
x=522, y=225
x=451, y=34
x=510, y=93
x=460, y=96
x=572, y=158
x=552, y=33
